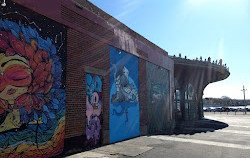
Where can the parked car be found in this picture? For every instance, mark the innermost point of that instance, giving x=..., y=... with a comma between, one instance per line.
x=207, y=109
x=219, y=109
x=233, y=109
x=225, y=109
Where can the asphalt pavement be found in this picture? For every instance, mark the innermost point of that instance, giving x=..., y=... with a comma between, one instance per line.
x=232, y=140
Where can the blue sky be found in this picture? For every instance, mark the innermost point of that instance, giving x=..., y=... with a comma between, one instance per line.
x=219, y=29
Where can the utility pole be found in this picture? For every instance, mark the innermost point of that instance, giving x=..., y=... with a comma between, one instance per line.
x=244, y=90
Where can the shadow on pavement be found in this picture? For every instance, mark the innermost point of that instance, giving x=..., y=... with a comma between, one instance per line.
x=199, y=126
x=75, y=145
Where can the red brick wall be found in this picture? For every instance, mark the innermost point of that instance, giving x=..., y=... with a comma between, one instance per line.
x=82, y=51
x=86, y=24
x=88, y=37
x=88, y=40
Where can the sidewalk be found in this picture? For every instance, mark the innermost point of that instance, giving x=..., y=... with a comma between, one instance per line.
x=130, y=148
x=137, y=146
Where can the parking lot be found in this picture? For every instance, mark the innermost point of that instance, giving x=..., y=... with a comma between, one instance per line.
x=227, y=109
x=231, y=141
x=228, y=113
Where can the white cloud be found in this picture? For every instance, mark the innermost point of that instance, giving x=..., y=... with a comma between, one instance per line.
x=127, y=7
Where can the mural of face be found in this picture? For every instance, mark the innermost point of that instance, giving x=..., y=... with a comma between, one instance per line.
x=25, y=77
x=32, y=82
x=15, y=77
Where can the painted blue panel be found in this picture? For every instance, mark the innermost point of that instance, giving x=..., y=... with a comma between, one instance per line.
x=124, y=96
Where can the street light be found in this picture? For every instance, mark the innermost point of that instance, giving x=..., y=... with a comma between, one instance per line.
x=3, y=3
x=244, y=90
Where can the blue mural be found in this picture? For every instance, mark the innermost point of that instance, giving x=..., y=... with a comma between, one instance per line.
x=124, y=101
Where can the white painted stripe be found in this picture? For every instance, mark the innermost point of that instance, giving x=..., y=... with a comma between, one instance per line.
x=235, y=131
x=239, y=126
x=204, y=142
x=222, y=130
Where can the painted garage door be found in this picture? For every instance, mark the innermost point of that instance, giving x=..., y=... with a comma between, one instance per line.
x=124, y=101
x=158, y=98
x=94, y=108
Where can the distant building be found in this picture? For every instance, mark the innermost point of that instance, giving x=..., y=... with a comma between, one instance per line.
x=224, y=101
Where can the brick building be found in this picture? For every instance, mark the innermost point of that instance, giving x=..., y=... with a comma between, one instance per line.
x=74, y=77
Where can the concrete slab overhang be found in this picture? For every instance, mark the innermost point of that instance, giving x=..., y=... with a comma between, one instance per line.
x=200, y=73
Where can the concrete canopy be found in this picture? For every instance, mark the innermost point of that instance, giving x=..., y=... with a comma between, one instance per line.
x=199, y=74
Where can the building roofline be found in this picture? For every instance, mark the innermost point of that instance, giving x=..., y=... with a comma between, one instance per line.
x=111, y=20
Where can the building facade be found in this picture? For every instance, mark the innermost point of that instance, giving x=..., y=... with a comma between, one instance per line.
x=74, y=77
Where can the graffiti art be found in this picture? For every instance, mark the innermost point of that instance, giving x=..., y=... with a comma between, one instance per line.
x=124, y=101
x=93, y=110
x=125, y=91
x=158, y=97
x=32, y=95
x=190, y=92
x=158, y=92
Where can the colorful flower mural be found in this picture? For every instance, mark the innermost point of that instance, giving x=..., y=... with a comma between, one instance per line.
x=93, y=110
x=32, y=100
x=124, y=100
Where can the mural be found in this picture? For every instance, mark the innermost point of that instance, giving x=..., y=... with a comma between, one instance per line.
x=158, y=91
x=124, y=102
x=93, y=110
x=32, y=95
x=125, y=91
x=190, y=105
x=190, y=92
x=158, y=97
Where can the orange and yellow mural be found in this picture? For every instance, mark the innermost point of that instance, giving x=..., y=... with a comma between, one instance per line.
x=32, y=95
